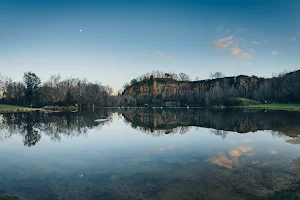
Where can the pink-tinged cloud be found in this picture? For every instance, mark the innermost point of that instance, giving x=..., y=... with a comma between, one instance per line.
x=223, y=42
x=265, y=164
x=245, y=149
x=245, y=55
x=235, y=51
x=222, y=161
x=162, y=149
x=247, y=140
x=235, y=153
x=274, y=53
x=161, y=55
x=273, y=152
x=228, y=162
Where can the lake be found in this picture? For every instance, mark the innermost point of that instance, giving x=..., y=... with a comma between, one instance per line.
x=230, y=154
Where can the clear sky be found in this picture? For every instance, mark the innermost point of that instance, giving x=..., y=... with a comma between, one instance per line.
x=114, y=41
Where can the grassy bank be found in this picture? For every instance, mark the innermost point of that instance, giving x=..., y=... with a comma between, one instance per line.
x=274, y=106
x=253, y=104
x=10, y=108
x=4, y=108
x=240, y=101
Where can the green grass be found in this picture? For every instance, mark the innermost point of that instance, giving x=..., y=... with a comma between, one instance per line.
x=4, y=108
x=275, y=106
x=244, y=101
x=253, y=104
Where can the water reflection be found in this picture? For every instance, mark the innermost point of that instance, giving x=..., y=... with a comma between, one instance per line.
x=296, y=164
x=232, y=159
x=166, y=121
x=150, y=121
x=31, y=125
x=294, y=140
x=254, y=157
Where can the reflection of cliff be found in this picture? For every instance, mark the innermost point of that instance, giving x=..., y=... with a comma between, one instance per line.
x=171, y=120
x=31, y=125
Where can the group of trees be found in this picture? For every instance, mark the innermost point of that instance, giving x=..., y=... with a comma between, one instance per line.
x=282, y=88
x=158, y=74
x=55, y=91
x=216, y=91
x=156, y=88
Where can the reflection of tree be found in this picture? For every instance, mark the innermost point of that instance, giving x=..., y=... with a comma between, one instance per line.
x=31, y=137
x=184, y=129
x=27, y=129
x=159, y=122
x=221, y=133
x=32, y=125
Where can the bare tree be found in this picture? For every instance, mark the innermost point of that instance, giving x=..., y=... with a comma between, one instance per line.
x=216, y=75
x=184, y=77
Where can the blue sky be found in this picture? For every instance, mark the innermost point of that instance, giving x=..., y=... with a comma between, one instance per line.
x=121, y=40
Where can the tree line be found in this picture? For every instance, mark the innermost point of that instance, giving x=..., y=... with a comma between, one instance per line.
x=158, y=74
x=56, y=91
x=156, y=88
x=160, y=89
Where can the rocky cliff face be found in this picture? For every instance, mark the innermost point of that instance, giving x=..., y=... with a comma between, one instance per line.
x=167, y=87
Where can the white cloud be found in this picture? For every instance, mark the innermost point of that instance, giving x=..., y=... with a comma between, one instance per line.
x=255, y=42
x=161, y=55
x=293, y=38
x=235, y=51
x=274, y=52
x=223, y=42
x=241, y=29
x=245, y=55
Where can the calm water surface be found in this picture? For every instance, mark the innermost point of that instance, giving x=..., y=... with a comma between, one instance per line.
x=151, y=154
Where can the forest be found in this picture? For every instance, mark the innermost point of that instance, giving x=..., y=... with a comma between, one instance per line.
x=151, y=89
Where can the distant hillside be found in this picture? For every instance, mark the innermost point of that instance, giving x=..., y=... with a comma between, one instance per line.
x=167, y=91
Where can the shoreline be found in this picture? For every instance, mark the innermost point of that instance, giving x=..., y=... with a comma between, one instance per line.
x=275, y=106
x=280, y=107
x=19, y=109
x=271, y=107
